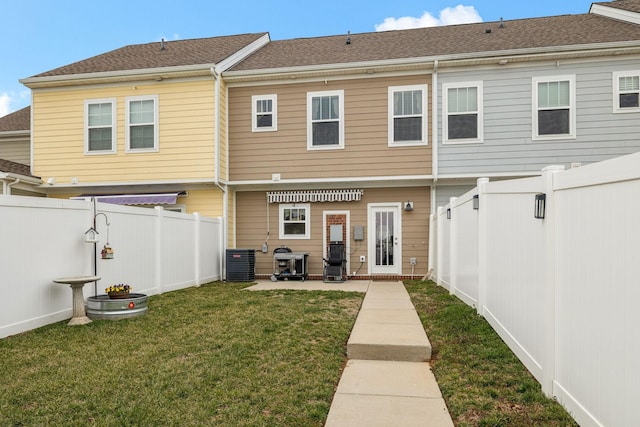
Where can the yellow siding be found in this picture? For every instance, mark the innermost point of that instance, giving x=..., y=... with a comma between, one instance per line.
x=186, y=131
x=205, y=202
x=257, y=155
x=252, y=227
x=224, y=171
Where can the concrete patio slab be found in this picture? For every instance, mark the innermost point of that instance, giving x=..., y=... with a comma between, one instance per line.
x=310, y=285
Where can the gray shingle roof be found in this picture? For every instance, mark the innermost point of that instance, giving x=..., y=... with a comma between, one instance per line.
x=564, y=30
x=144, y=56
x=8, y=166
x=16, y=121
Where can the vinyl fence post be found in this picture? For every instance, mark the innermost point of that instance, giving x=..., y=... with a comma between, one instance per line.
x=453, y=246
x=483, y=212
x=197, y=248
x=548, y=368
x=158, y=252
x=439, y=247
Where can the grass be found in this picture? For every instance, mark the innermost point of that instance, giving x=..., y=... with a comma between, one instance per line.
x=482, y=381
x=213, y=355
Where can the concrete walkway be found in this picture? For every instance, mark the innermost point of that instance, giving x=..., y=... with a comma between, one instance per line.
x=387, y=380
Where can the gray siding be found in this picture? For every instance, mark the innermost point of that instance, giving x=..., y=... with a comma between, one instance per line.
x=508, y=145
x=444, y=192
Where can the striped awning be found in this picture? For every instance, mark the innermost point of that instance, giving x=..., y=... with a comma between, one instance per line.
x=134, y=199
x=305, y=196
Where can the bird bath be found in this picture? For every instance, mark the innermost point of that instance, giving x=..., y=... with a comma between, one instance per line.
x=77, y=283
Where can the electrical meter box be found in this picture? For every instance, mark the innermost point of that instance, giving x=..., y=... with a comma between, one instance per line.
x=358, y=232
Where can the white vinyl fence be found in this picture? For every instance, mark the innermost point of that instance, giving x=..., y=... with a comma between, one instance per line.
x=561, y=291
x=44, y=239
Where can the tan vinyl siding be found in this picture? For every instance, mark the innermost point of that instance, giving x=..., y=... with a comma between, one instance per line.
x=251, y=228
x=185, y=125
x=257, y=155
x=15, y=149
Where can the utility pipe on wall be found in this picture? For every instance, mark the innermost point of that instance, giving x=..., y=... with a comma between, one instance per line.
x=222, y=188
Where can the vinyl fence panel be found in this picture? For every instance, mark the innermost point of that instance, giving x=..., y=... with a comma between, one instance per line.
x=560, y=290
x=44, y=239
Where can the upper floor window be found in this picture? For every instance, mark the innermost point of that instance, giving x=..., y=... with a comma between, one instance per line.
x=100, y=126
x=264, y=113
x=295, y=221
x=142, y=123
x=462, y=121
x=626, y=90
x=554, y=107
x=325, y=120
x=407, y=115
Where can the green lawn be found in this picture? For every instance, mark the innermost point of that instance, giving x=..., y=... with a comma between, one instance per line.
x=482, y=381
x=213, y=355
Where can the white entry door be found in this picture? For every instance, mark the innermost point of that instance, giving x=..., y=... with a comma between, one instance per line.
x=385, y=245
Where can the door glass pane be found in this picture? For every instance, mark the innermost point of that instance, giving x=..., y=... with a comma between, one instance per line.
x=384, y=238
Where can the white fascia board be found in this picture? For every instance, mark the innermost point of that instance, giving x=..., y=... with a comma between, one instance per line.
x=419, y=179
x=614, y=13
x=521, y=174
x=141, y=74
x=25, y=179
x=131, y=183
x=25, y=132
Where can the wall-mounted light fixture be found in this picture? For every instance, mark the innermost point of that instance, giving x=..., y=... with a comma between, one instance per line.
x=539, y=208
x=448, y=213
x=476, y=202
x=408, y=206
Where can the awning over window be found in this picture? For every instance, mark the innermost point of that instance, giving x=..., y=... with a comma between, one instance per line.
x=304, y=196
x=135, y=199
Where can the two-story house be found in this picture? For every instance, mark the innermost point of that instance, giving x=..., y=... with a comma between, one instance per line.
x=334, y=131
x=144, y=123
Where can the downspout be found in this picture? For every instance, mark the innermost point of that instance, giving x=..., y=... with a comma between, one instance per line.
x=434, y=161
x=223, y=188
x=7, y=187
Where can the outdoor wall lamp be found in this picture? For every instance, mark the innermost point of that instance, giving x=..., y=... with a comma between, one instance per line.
x=541, y=200
x=448, y=213
x=476, y=202
x=408, y=206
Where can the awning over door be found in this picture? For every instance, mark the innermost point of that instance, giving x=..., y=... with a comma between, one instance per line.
x=304, y=196
x=135, y=199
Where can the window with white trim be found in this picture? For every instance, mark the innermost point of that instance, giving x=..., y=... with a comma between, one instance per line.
x=295, y=221
x=141, y=117
x=407, y=115
x=626, y=90
x=554, y=107
x=264, y=113
x=100, y=126
x=325, y=120
x=462, y=121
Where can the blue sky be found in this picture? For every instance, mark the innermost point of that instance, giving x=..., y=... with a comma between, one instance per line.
x=39, y=35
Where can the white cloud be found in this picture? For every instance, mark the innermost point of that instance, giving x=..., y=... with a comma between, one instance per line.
x=5, y=108
x=448, y=16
